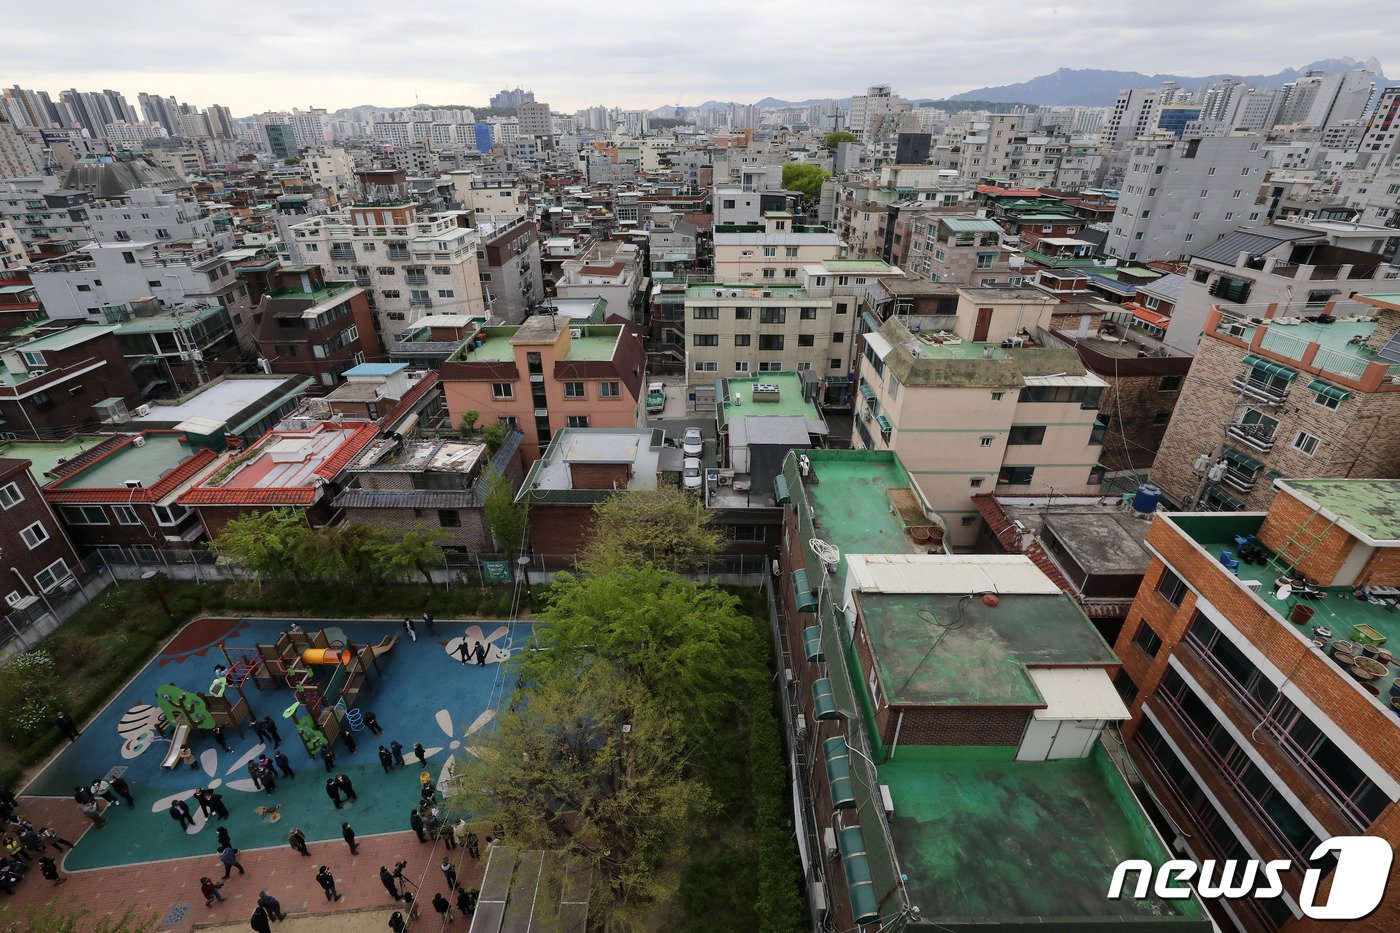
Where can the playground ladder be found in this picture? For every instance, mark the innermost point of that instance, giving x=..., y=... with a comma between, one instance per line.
x=243, y=668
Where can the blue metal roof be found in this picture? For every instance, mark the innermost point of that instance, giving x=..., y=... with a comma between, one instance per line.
x=375, y=369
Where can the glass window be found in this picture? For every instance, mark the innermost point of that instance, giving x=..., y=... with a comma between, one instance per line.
x=704, y=340
x=609, y=390
x=574, y=390
x=1147, y=639
x=1171, y=587
x=1025, y=434
x=1305, y=442
x=1016, y=475
x=705, y=314
x=502, y=390
x=85, y=515
x=126, y=515
x=34, y=535
x=578, y=421
x=52, y=575
x=10, y=495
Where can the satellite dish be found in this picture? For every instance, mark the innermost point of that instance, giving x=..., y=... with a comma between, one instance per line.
x=1284, y=592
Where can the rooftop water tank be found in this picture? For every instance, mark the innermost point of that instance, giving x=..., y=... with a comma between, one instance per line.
x=1146, y=498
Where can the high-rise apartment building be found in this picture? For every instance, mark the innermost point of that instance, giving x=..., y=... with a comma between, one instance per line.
x=872, y=113
x=1134, y=114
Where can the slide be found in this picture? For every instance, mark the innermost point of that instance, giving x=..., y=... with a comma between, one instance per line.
x=178, y=742
x=386, y=645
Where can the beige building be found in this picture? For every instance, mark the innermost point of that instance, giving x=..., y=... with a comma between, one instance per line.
x=969, y=417
x=772, y=253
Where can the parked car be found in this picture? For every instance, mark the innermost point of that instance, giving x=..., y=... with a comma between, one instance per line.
x=690, y=476
x=656, y=398
x=693, y=443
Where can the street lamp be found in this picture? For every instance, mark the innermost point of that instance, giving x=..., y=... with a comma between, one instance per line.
x=524, y=562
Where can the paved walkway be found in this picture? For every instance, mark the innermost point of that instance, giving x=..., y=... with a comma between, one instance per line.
x=157, y=888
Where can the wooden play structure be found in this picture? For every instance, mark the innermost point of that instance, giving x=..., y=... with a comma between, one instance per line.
x=188, y=711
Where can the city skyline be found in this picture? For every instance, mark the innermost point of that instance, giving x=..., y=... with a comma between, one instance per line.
x=304, y=63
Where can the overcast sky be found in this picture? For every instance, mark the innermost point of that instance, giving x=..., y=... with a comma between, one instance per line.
x=256, y=55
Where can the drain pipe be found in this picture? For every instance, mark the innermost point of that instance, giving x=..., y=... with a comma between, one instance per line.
x=894, y=745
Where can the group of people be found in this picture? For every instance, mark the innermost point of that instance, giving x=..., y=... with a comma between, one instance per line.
x=100, y=796
x=25, y=846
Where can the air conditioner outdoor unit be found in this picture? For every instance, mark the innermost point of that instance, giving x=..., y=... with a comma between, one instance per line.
x=576, y=333
x=829, y=843
x=132, y=483
x=887, y=800
x=138, y=441
x=865, y=415
x=142, y=411
x=801, y=726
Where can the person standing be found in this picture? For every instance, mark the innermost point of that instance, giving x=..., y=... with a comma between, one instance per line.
x=202, y=799
x=386, y=760
x=372, y=724
x=272, y=905
x=349, y=738
x=69, y=727
x=480, y=652
x=443, y=906
x=420, y=753
x=386, y=878
x=210, y=889
x=180, y=813
x=346, y=787
x=259, y=921
x=297, y=840
x=216, y=803
x=415, y=820
x=408, y=627
x=270, y=728
x=465, y=906
x=51, y=837
x=93, y=812
x=228, y=855
x=219, y=739
x=349, y=835
x=333, y=792
x=269, y=780
x=328, y=757
x=285, y=764
x=101, y=788
x=397, y=751
x=327, y=882
x=397, y=924
x=255, y=773
x=464, y=651
x=261, y=731
x=449, y=873
x=120, y=785
x=428, y=623
x=223, y=838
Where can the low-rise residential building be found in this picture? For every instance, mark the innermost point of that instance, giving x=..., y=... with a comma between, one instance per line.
x=608, y=270
x=738, y=329
x=548, y=374
x=34, y=547
x=405, y=483
x=58, y=380
x=312, y=326
x=398, y=399
x=244, y=407
x=172, y=350
x=773, y=253
x=511, y=280
x=1271, y=394
x=433, y=339
x=1261, y=723
x=969, y=416
x=963, y=251
x=927, y=693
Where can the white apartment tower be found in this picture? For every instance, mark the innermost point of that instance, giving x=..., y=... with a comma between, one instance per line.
x=871, y=113
x=1134, y=113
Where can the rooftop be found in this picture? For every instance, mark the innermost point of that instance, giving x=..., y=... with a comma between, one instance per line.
x=432, y=455
x=236, y=401
x=497, y=344
x=860, y=266
x=166, y=320
x=989, y=840
x=1366, y=508
x=68, y=337
x=738, y=399
x=162, y=452
x=747, y=291
x=639, y=447
x=375, y=369
x=287, y=466
x=45, y=455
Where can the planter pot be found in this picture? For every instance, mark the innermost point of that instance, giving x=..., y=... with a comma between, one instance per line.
x=1370, y=651
x=1395, y=688
x=1322, y=631
x=1371, y=688
x=1345, y=660
x=1384, y=656
x=1301, y=615
x=1368, y=669
x=1395, y=704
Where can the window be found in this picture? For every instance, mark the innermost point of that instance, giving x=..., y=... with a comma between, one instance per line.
x=746, y=533
x=129, y=258
x=743, y=314
x=741, y=366
x=449, y=518
x=52, y=575
x=1236, y=194
x=1146, y=639
x=704, y=340
x=976, y=482
x=1327, y=401
x=85, y=515
x=705, y=314
x=741, y=340
x=578, y=421
x=609, y=390
x=1162, y=417
x=1171, y=587
x=772, y=367
x=126, y=515
x=169, y=514
x=574, y=390
x=969, y=520
x=442, y=270
x=502, y=390
x=997, y=396
x=446, y=293
x=807, y=314
x=806, y=340
x=770, y=273
x=1016, y=475
x=1305, y=442
x=1245, y=170
x=772, y=315
x=1211, y=171
x=985, y=260
x=770, y=341
x=10, y=496
x=34, y=535
x=835, y=364
x=1127, y=690
x=1026, y=434
x=987, y=441
x=770, y=252
x=706, y=366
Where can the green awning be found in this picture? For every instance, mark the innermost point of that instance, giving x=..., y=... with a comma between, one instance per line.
x=838, y=773
x=867, y=393
x=1240, y=458
x=802, y=592
x=884, y=423
x=1329, y=390
x=865, y=906
x=868, y=322
x=824, y=700
x=1224, y=497
x=812, y=643
x=1259, y=364
x=1274, y=474
x=780, y=490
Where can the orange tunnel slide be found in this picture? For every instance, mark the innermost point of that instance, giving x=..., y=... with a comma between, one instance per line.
x=326, y=655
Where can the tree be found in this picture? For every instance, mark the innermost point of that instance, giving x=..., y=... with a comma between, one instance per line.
x=665, y=527
x=677, y=637
x=274, y=545
x=418, y=551
x=506, y=517
x=468, y=422
x=805, y=178
x=493, y=436
x=291, y=160
x=832, y=140
x=590, y=766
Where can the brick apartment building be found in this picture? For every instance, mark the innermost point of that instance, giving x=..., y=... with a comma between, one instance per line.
x=311, y=326
x=34, y=548
x=1251, y=724
x=56, y=380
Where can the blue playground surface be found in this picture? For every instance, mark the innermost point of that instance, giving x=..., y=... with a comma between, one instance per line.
x=424, y=694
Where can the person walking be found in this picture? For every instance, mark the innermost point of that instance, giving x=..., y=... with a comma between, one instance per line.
x=255, y=773
x=386, y=760
x=223, y=838
x=210, y=889
x=93, y=812
x=443, y=906
x=397, y=923
x=415, y=820
x=82, y=794
x=408, y=627
x=464, y=651
x=397, y=751
x=420, y=753
x=327, y=882
x=100, y=788
x=180, y=813
x=480, y=652
x=328, y=757
x=372, y=724
x=333, y=792
x=449, y=873
x=297, y=840
x=386, y=878
x=120, y=785
x=445, y=832
x=261, y=731
x=270, y=728
x=259, y=921
x=216, y=803
x=272, y=905
x=228, y=855
x=466, y=902
x=428, y=623
x=349, y=836
x=219, y=739
x=346, y=787
x=69, y=727
x=51, y=837
x=285, y=764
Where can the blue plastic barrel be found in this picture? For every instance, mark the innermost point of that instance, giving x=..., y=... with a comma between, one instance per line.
x=1146, y=498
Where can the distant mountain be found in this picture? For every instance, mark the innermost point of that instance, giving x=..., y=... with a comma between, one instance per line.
x=1092, y=87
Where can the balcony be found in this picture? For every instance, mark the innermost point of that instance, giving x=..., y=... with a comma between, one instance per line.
x=342, y=252
x=1267, y=393
x=1256, y=435
x=362, y=280
x=1239, y=480
x=400, y=255
x=420, y=302
x=416, y=278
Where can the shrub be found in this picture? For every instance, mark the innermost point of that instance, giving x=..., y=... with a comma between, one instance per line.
x=28, y=695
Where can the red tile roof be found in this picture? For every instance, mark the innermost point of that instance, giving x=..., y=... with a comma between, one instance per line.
x=364, y=432
x=1154, y=318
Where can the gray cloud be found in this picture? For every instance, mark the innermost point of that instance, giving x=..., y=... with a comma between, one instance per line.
x=257, y=54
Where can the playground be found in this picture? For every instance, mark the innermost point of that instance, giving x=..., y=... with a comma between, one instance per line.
x=316, y=685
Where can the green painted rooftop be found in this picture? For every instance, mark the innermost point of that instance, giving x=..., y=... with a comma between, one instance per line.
x=161, y=453
x=44, y=455
x=27, y=328
x=63, y=339
x=851, y=502
x=1001, y=844
x=856, y=265
x=790, y=398
x=597, y=343
x=1371, y=506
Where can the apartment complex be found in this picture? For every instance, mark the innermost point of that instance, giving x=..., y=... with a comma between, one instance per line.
x=979, y=413
x=548, y=374
x=508, y=261
x=314, y=327
x=1272, y=394
x=38, y=557
x=1260, y=722
x=938, y=704
x=54, y=380
x=771, y=253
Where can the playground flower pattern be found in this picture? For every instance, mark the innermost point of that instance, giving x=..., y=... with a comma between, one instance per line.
x=496, y=653
x=138, y=729
x=444, y=721
x=209, y=761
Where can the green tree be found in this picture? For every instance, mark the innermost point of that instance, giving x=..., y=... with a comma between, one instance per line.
x=467, y=426
x=590, y=765
x=677, y=637
x=805, y=178
x=291, y=160
x=360, y=552
x=277, y=545
x=29, y=689
x=493, y=436
x=664, y=526
x=417, y=551
x=832, y=140
x=506, y=517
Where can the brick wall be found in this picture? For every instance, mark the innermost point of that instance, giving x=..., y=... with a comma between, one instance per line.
x=1324, y=557
x=960, y=725
x=472, y=534
x=19, y=556
x=599, y=475
x=1383, y=569
x=146, y=534
x=1134, y=405
x=559, y=530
